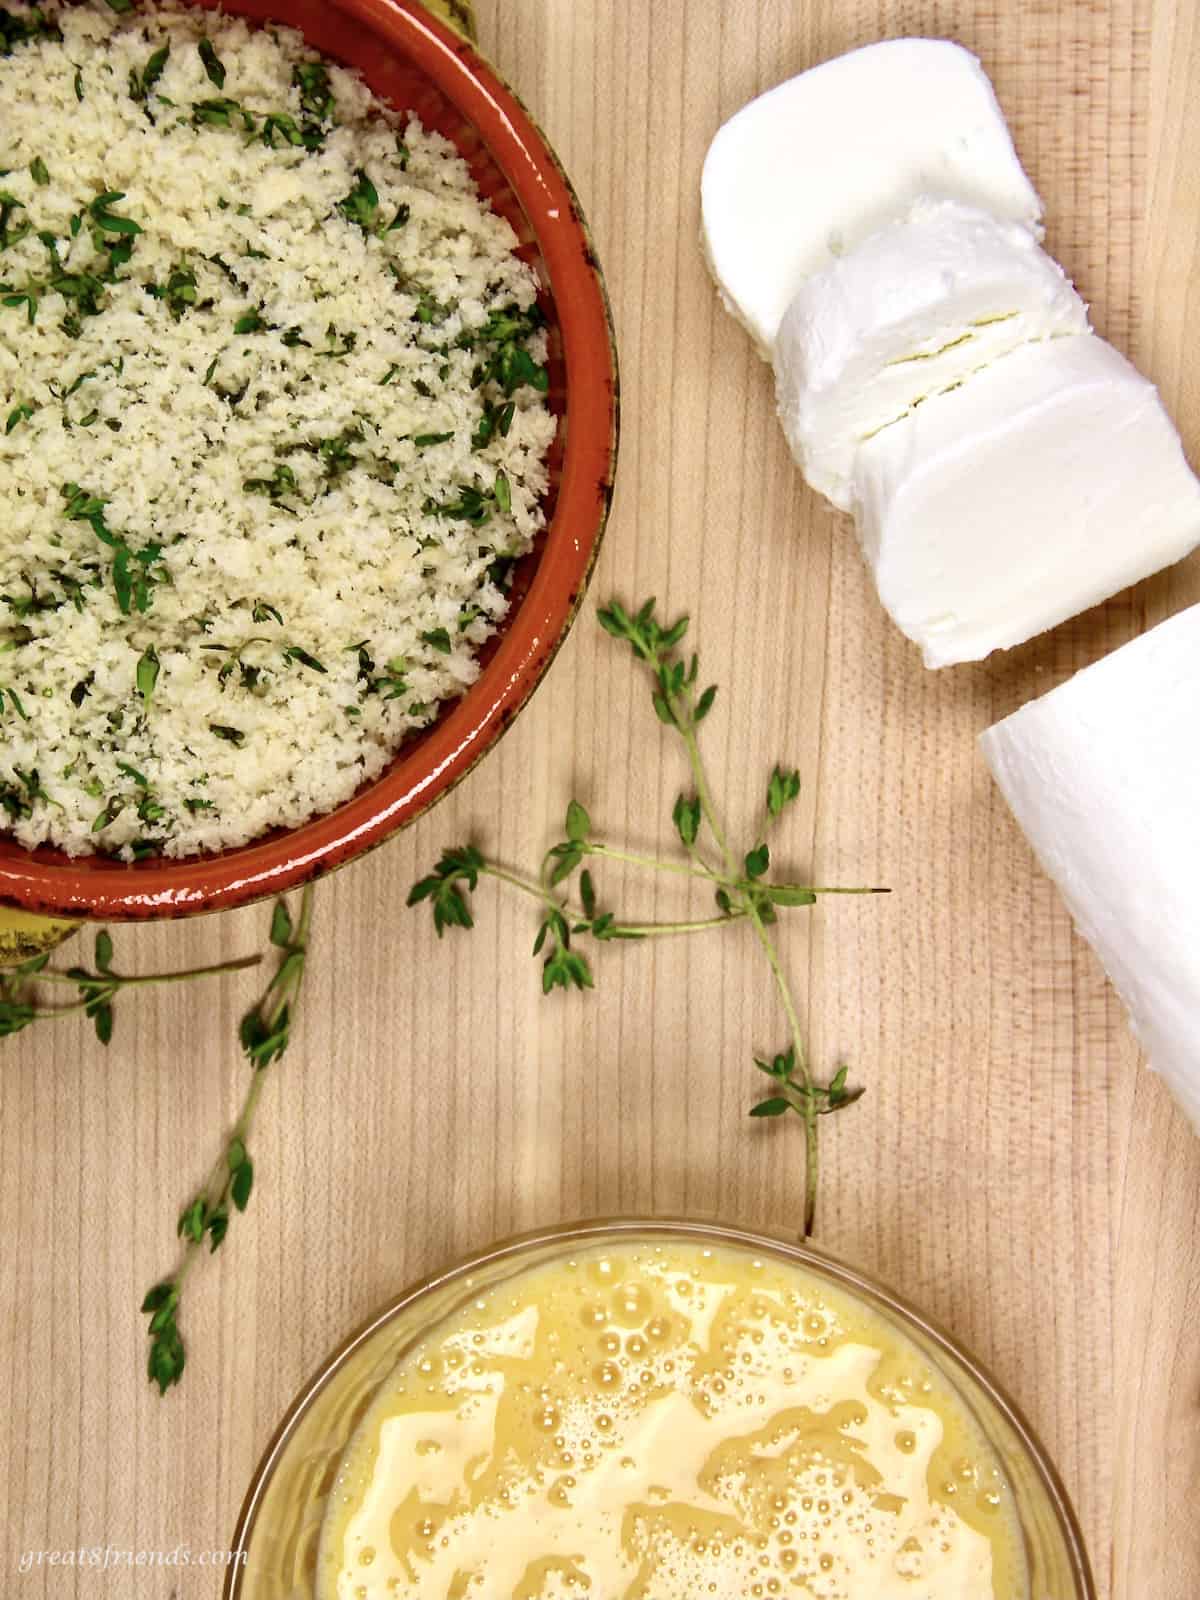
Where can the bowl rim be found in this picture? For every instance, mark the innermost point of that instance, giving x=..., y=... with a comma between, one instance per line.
x=582, y=1233
x=95, y=887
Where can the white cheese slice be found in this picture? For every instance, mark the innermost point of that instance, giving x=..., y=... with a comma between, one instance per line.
x=910, y=312
x=1103, y=775
x=1044, y=484
x=812, y=167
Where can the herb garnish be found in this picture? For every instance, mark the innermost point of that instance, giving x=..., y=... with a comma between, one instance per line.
x=510, y=364
x=23, y=30
x=10, y=235
x=743, y=891
x=220, y=113
x=213, y=65
x=98, y=990
x=362, y=203
x=265, y=1034
x=146, y=674
x=281, y=482
x=134, y=575
x=142, y=83
x=311, y=78
x=106, y=219
x=180, y=292
x=496, y=420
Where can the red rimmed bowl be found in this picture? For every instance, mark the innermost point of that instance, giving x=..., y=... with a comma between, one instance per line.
x=417, y=64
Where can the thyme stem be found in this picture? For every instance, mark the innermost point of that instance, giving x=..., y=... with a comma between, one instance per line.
x=805, y=1104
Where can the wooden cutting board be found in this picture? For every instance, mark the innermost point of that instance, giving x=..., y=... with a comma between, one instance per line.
x=1013, y=1167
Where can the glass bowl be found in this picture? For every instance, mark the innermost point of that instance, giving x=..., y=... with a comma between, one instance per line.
x=280, y=1522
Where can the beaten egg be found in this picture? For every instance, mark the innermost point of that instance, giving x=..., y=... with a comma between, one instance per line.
x=665, y=1421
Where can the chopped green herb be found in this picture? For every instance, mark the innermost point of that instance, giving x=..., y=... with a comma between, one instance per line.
x=79, y=84
x=337, y=344
x=142, y=83
x=336, y=455
x=430, y=311
x=279, y=125
x=9, y=235
x=19, y=414
x=510, y=364
x=109, y=815
x=134, y=576
x=28, y=299
x=262, y=611
x=311, y=78
x=362, y=203
x=15, y=700
x=132, y=772
x=294, y=653
x=23, y=30
x=471, y=506
x=502, y=493
x=180, y=292
x=423, y=439
x=221, y=114
x=496, y=420
x=438, y=639
x=102, y=214
x=38, y=172
x=212, y=63
x=249, y=322
x=281, y=482
x=233, y=736
x=147, y=674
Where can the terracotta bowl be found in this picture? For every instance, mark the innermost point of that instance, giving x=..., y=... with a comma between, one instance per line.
x=415, y=63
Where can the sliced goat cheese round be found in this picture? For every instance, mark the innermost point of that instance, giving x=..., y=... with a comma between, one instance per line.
x=908, y=313
x=1103, y=775
x=1042, y=485
x=811, y=168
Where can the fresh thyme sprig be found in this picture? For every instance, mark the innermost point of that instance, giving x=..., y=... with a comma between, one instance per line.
x=265, y=1034
x=20, y=1005
x=742, y=887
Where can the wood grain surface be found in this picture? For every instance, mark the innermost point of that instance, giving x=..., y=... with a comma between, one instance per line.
x=1013, y=1166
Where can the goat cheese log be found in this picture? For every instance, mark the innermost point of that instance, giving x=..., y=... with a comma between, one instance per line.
x=1103, y=774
